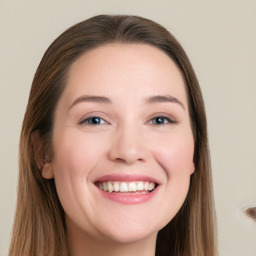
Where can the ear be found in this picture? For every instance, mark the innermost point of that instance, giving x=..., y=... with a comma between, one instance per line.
x=42, y=155
x=47, y=171
x=192, y=168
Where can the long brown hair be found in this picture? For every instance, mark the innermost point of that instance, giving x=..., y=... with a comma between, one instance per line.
x=39, y=227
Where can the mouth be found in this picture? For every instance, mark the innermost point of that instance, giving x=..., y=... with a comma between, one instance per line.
x=127, y=187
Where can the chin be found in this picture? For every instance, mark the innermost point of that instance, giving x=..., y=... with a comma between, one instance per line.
x=130, y=232
x=131, y=236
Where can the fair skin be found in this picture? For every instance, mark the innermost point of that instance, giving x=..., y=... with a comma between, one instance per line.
x=122, y=118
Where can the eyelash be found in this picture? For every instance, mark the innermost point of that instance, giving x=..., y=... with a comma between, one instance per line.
x=167, y=120
x=162, y=120
x=88, y=120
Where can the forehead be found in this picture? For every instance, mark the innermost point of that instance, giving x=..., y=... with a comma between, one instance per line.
x=125, y=69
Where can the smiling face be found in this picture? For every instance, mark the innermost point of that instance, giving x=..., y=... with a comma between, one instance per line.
x=121, y=124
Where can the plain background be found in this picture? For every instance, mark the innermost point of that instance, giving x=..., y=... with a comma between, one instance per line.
x=219, y=38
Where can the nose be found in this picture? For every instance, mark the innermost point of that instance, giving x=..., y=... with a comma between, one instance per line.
x=128, y=146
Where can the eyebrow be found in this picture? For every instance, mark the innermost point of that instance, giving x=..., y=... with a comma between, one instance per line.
x=88, y=98
x=163, y=98
x=148, y=100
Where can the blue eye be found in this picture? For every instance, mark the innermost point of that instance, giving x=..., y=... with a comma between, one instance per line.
x=161, y=120
x=94, y=120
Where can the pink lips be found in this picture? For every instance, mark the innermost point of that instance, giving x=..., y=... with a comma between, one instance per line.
x=129, y=197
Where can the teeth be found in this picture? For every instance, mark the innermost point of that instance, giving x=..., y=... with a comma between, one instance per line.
x=140, y=186
x=123, y=187
x=110, y=187
x=146, y=185
x=105, y=187
x=132, y=186
x=117, y=186
x=151, y=186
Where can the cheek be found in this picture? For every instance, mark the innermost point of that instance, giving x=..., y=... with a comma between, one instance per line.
x=175, y=155
x=75, y=158
x=76, y=154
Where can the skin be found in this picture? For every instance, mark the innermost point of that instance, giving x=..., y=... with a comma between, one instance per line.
x=127, y=140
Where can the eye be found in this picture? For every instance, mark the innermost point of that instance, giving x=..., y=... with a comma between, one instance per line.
x=161, y=120
x=93, y=120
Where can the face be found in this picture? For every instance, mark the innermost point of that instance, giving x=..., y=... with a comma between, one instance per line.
x=123, y=144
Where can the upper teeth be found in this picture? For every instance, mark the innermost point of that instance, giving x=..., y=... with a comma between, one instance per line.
x=118, y=186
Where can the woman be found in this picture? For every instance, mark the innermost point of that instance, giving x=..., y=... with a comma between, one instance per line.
x=113, y=154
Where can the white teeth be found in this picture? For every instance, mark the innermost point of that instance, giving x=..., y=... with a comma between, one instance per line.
x=117, y=186
x=110, y=187
x=105, y=187
x=146, y=184
x=151, y=186
x=123, y=187
x=132, y=186
x=140, y=186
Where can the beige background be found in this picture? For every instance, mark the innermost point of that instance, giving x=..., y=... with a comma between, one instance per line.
x=220, y=39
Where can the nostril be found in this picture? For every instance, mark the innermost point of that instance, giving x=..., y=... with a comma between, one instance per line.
x=128, y=160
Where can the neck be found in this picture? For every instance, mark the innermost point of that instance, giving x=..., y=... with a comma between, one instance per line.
x=81, y=244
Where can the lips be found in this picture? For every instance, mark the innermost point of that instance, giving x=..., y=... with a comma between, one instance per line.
x=127, y=189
